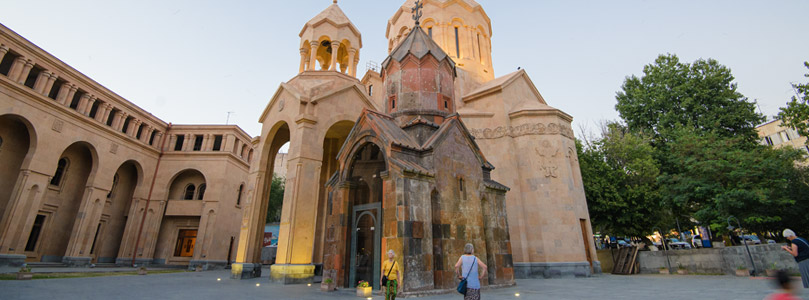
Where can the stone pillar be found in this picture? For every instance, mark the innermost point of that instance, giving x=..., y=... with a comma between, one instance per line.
x=133, y=128
x=189, y=144
x=17, y=69
x=237, y=149
x=355, y=63
x=205, y=140
x=42, y=81
x=3, y=51
x=84, y=227
x=303, y=60
x=25, y=200
x=118, y=120
x=299, y=213
x=70, y=93
x=89, y=107
x=335, y=47
x=83, y=103
x=172, y=142
x=146, y=134
x=26, y=69
x=313, y=55
x=103, y=111
x=352, y=67
x=49, y=84
x=158, y=140
x=63, y=91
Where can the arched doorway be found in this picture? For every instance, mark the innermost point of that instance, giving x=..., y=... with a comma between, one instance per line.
x=275, y=185
x=332, y=142
x=365, y=173
x=15, y=142
x=110, y=229
x=178, y=229
x=51, y=234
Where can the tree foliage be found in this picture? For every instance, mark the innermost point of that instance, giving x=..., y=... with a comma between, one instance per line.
x=619, y=174
x=796, y=113
x=276, y=199
x=712, y=177
x=699, y=95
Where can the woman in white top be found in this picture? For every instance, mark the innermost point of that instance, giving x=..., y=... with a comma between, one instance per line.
x=467, y=267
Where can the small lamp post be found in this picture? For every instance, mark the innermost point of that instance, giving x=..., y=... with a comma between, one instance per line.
x=665, y=251
x=730, y=228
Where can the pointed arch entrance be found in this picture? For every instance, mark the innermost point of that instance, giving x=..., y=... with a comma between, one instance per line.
x=365, y=201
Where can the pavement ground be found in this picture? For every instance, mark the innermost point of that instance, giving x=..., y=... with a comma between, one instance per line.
x=218, y=285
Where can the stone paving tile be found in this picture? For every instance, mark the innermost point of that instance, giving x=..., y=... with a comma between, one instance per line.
x=204, y=285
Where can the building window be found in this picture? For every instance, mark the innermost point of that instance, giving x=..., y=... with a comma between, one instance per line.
x=480, y=54
x=457, y=44
x=201, y=193
x=34, y=236
x=189, y=192
x=140, y=131
x=460, y=184
x=1, y=142
x=785, y=136
x=446, y=104
x=111, y=116
x=768, y=140
x=430, y=31
x=178, y=146
x=151, y=138
x=55, y=88
x=125, y=128
x=60, y=172
x=94, y=109
x=7, y=62
x=186, y=239
x=217, y=142
x=371, y=90
x=198, y=142
x=239, y=197
x=74, y=103
x=33, y=75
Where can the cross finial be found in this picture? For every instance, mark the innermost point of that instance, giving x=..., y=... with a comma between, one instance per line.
x=417, y=11
x=335, y=1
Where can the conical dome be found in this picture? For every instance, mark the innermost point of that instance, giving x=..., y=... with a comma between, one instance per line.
x=330, y=42
x=419, y=44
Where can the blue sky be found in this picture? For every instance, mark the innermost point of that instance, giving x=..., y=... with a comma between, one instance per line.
x=191, y=62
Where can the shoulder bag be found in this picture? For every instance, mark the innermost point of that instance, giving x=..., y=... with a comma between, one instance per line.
x=385, y=278
x=462, y=285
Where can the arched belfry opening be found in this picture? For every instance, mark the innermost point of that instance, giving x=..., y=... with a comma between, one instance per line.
x=330, y=42
x=365, y=204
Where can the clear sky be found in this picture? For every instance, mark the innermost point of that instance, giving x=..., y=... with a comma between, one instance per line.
x=192, y=61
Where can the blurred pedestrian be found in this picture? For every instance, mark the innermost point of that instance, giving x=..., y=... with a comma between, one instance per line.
x=800, y=250
x=784, y=285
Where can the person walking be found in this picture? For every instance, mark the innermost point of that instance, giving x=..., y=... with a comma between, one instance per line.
x=390, y=276
x=784, y=285
x=800, y=250
x=468, y=264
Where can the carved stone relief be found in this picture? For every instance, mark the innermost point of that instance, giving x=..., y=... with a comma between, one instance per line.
x=525, y=129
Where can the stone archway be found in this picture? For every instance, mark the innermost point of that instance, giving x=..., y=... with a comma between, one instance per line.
x=15, y=145
x=177, y=237
x=110, y=230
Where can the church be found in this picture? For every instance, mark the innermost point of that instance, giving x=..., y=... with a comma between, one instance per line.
x=421, y=156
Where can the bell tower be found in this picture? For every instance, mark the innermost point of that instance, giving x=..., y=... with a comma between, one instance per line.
x=419, y=79
x=330, y=42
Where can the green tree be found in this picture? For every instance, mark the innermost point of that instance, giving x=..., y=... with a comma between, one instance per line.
x=700, y=95
x=796, y=113
x=711, y=177
x=619, y=173
x=276, y=199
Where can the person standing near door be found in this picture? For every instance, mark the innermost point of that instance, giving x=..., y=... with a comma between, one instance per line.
x=468, y=263
x=390, y=276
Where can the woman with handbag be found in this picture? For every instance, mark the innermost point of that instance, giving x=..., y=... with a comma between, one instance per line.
x=390, y=276
x=469, y=263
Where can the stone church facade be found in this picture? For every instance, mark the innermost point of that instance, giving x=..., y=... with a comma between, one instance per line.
x=529, y=145
x=89, y=177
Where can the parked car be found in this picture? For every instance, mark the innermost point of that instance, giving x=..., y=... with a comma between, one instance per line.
x=752, y=240
x=677, y=244
x=623, y=244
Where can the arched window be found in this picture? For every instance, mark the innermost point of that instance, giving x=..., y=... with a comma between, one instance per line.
x=60, y=172
x=201, y=191
x=114, y=185
x=189, y=192
x=239, y=198
x=371, y=90
x=1, y=143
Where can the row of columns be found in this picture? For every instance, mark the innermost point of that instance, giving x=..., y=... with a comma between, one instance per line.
x=309, y=62
x=230, y=142
x=22, y=67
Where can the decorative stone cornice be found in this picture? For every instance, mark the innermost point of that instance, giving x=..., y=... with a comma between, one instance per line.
x=525, y=129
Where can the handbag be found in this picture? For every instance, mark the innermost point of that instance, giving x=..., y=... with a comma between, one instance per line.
x=462, y=285
x=385, y=278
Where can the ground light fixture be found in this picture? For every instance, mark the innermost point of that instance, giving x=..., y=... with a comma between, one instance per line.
x=219, y=279
x=730, y=228
x=308, y=284
x=516, y=294
x=258, y=284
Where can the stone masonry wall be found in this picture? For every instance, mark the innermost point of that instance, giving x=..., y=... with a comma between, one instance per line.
x=719, y=260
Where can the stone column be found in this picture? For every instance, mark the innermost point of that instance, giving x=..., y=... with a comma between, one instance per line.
x=355, y=63
x=158, y=140
x=299, y=214
x=146, y=134
x=89, y=107
x=16, y=68
x=303, y=60
x=352, y=67
x=189, y=144
x=26, y=69
x=25, y=200
x=237, y=149
x=42, y=81
x=84, y=227
x=3, y=51
x=64, y=89
x=49, y=85
x=83, y=103
x=101, y=114
x=132, y=131
x=118, y=121
x=313, y=55
x=335, y=46
x=172, y=142
x=205, y=139
x=70, y=93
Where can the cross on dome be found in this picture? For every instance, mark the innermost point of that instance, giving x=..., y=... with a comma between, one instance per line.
x=416, y=11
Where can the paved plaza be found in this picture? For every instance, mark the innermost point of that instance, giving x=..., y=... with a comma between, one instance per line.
x=205, y=285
